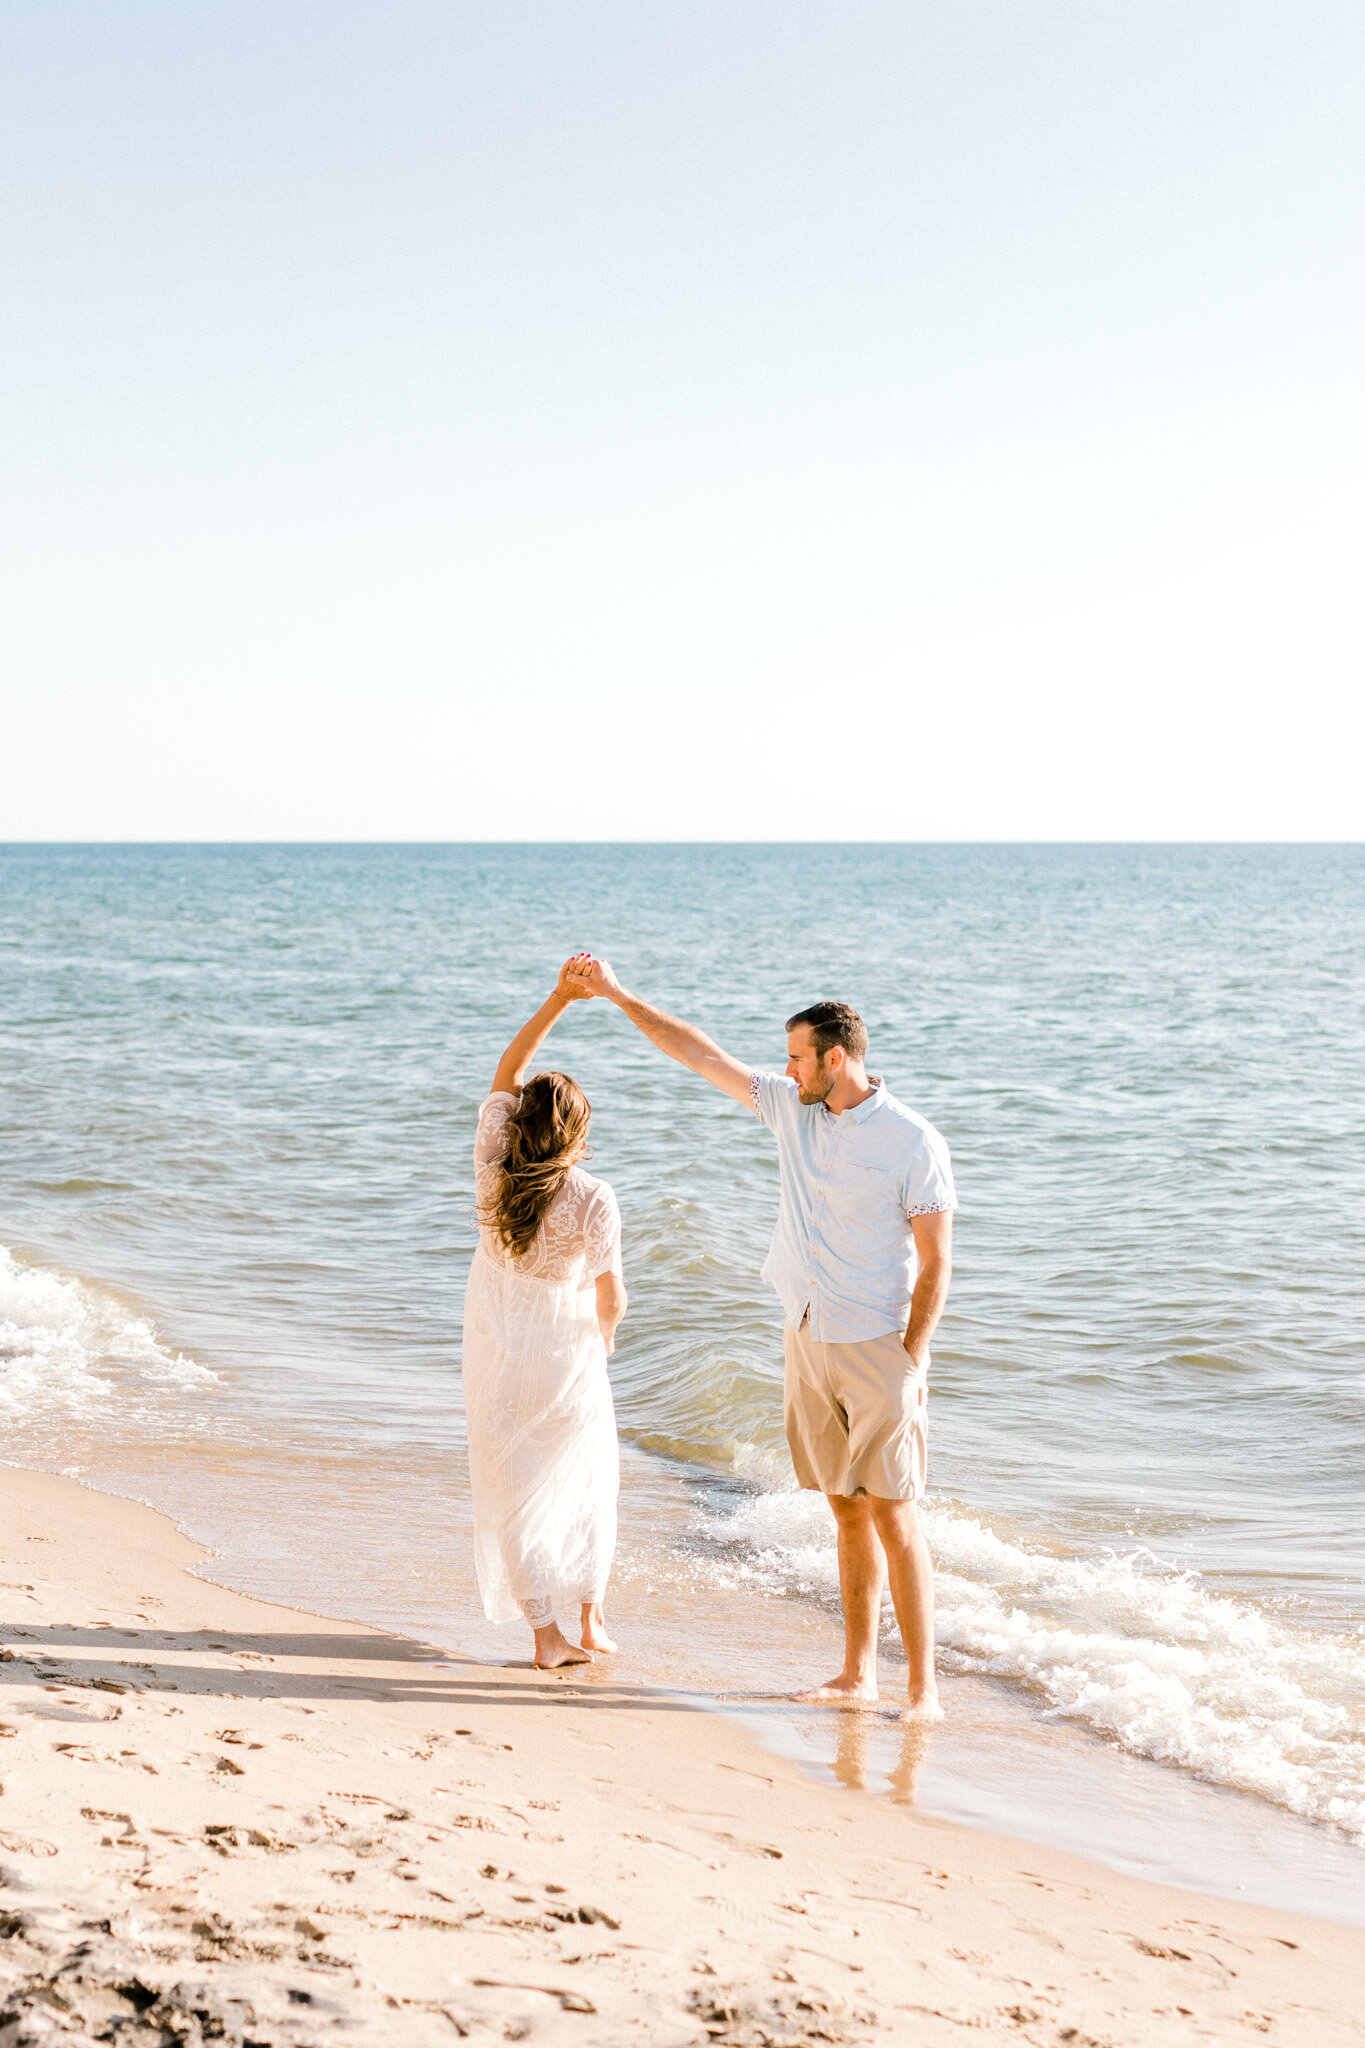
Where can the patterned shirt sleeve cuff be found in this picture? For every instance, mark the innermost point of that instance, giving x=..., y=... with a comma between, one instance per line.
x=932, y=1209
x=753, y=1095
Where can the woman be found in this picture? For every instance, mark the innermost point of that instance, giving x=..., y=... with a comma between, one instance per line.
x=544, y=1300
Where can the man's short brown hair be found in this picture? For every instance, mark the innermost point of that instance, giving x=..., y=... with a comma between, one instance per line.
x=833, y=1024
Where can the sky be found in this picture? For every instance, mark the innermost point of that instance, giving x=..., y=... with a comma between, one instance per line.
x=752, y=420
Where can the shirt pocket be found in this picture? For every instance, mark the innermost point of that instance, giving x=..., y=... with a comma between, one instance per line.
x=873, y=1187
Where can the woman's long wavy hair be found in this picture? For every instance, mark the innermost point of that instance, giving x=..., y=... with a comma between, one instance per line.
x=549, y=1134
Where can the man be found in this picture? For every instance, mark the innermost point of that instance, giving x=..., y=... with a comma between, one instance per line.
x=860, y=1260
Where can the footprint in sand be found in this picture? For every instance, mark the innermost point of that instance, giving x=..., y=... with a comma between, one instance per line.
x=99, y=1817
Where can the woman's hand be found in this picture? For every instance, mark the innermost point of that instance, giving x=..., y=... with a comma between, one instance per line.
x=574, y=987
x=592, y=977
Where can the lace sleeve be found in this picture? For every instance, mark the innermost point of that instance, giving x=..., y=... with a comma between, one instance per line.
x=602, y=1234
x=490, y=1140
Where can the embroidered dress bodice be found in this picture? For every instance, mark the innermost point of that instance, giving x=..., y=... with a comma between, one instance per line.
x=580, y=1233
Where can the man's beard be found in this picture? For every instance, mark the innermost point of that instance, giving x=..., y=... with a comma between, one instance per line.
x=822, y=1086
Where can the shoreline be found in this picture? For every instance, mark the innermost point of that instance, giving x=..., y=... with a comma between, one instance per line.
x=996, y=1763
x=316, y=1824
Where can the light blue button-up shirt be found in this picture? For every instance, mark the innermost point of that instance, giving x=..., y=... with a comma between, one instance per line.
x=843, y=1248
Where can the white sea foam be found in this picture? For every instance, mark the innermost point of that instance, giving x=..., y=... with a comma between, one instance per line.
x=67, y=1347
x=1139, y=1651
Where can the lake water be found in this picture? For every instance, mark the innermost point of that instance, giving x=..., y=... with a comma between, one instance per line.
x=239, y=1091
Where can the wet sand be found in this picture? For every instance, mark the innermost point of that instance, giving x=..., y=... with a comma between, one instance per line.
x=223, y=1819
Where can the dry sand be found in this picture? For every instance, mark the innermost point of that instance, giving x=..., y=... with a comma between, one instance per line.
x=223, y=1820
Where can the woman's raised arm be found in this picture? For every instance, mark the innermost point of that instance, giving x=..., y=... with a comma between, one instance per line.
x=510, y=1078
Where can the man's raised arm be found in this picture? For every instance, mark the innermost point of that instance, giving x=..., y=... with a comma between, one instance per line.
x=682, y=1042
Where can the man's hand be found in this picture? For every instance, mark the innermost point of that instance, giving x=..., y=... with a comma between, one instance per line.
x=933, y=1235
x=593, y=977
x=571, y=984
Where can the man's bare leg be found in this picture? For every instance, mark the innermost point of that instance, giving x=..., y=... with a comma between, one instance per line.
x=861, y=1578
x=911, y=1573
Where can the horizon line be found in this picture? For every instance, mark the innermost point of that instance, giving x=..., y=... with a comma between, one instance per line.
x=15, y=845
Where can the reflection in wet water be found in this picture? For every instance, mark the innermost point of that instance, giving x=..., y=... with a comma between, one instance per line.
x=916, y=1738
x=849, y=1762
x=856, y=1764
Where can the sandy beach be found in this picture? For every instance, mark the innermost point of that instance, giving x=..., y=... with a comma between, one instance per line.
x=225, y=1820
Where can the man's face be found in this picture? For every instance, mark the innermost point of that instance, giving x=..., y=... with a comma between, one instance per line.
x=814, y=1076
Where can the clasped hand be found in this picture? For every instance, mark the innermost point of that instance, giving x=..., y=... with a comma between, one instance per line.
x=572, y=982
x=583, y=977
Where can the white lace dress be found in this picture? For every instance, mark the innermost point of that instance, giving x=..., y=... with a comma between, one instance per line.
x=544, y=1467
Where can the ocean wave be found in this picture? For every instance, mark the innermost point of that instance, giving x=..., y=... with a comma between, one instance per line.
x=1139, y=1651
x=67, y=1347
x=706, y=1402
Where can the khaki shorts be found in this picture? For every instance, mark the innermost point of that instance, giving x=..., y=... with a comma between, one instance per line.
x=857, y=1416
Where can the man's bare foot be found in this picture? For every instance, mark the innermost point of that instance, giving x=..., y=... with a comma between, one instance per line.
x=841, y=1692
x=553, y=1649
x=926, y=1708
x=594, y=1632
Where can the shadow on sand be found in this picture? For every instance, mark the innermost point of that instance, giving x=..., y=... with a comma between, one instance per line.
x=153, y=1660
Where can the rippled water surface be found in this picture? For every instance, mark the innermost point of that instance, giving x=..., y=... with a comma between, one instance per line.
x=239, y=1087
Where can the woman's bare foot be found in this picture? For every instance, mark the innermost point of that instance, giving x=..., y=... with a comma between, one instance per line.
x=595, y=1635
x=842, y=1691
x=554, y=1649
